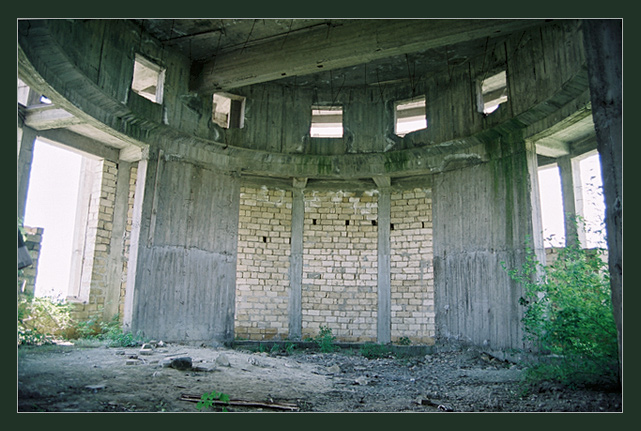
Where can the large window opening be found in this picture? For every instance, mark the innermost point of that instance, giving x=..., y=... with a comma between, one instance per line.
x=148, y=79
x=409, y=116
x=228, y=111
x=593, y=201
x=56, y=197
x=551, y=206
x=327, y=122
x=492, y=92
x=589, y=202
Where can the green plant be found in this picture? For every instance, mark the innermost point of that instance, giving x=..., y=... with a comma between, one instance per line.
x=325, y=339
x=40, y=320
x=375, y=351
x=568, y=317
x=404, y=341
x=212, y=399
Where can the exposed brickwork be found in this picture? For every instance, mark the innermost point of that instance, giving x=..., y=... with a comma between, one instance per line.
x=412, y=277
x=33, y=239
x=340, y=264
x=100, y=225
x=133, y=176
x=262, y=286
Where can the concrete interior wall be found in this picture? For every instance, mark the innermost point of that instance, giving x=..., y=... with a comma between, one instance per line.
x=204, y=251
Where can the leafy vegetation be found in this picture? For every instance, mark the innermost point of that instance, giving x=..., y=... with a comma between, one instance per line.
x=213, y=399
x=325, y=339
x=42, y=320
x=568, y=318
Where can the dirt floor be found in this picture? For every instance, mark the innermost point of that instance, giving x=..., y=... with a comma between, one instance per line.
x=96, y=378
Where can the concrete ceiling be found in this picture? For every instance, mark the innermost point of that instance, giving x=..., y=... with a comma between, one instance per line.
x=229, y=53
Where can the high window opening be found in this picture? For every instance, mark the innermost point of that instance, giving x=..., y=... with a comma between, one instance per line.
x=409, y=116
x=551, y=206
x=327, y=122
x=55, y=197
x=593, y=201
x=148, y=79
x=228, y=111
x=492, y=92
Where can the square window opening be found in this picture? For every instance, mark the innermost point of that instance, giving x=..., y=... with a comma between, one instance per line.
x=228, y=111
x=327, y=122
x=148, y=79
x=409, y=116
x=492, y=92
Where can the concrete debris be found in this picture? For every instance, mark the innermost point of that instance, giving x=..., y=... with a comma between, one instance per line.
x=95, y=388
x=222, y=360
x=146, y=349
x=204, y=367
x=362, y=380
x=182, y=363
x=334, y=369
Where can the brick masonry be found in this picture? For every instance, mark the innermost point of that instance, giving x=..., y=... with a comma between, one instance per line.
x=412, y=276
x=262, y=281
x=27, y=277
x=340, y=264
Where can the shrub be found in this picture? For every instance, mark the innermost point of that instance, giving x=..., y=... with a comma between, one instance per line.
x=325, y=339
x=40, y=320
x=568, y=317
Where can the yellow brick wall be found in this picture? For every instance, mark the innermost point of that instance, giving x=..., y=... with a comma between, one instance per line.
x=412, y=276
x=340, y=265
x=262, y=279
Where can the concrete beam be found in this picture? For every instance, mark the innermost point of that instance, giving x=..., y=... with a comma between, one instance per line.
x=49, y=117
x=552, y=148
x=344, y=45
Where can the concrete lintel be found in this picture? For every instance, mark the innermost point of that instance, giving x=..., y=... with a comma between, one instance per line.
x=552, y=148
x=49, y=117
x=382, y=182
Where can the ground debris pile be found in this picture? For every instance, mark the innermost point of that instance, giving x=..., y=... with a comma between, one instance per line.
x=161, y=377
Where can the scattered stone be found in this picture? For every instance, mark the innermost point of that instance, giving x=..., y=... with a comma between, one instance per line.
x=334, y=369
x=146, y=349
x=120, y=352
x=204, y=367
x=95, y=388
x=183, y=363
x=132, y=362
x=222, y=360
x=362, y=380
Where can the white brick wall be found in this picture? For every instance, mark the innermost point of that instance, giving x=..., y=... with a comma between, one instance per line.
x=340, y=264
x=262, y=281
x=412, y=277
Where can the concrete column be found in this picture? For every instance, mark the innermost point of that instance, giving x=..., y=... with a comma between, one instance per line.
x=570, y=173
x=384, y=317
x=25, y=157
x=296, y=260
x=116, y=249
x=603, y=45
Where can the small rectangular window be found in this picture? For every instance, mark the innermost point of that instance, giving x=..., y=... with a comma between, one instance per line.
x=409, y=116
x=327, y=122
x=148, y=79
x=228, y=111
x=493, y=92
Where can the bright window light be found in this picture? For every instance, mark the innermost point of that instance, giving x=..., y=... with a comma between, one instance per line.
x=228, y=110
x=410, y=116
x=493, y=92
x=327, y=122
x=551, y=206
x=148, y=79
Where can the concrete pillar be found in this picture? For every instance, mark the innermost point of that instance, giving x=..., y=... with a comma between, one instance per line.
x=603, y=45
x=25, y=157
x=384, y=317
x=296, y=260
x=117, y=246
x=570, y=173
